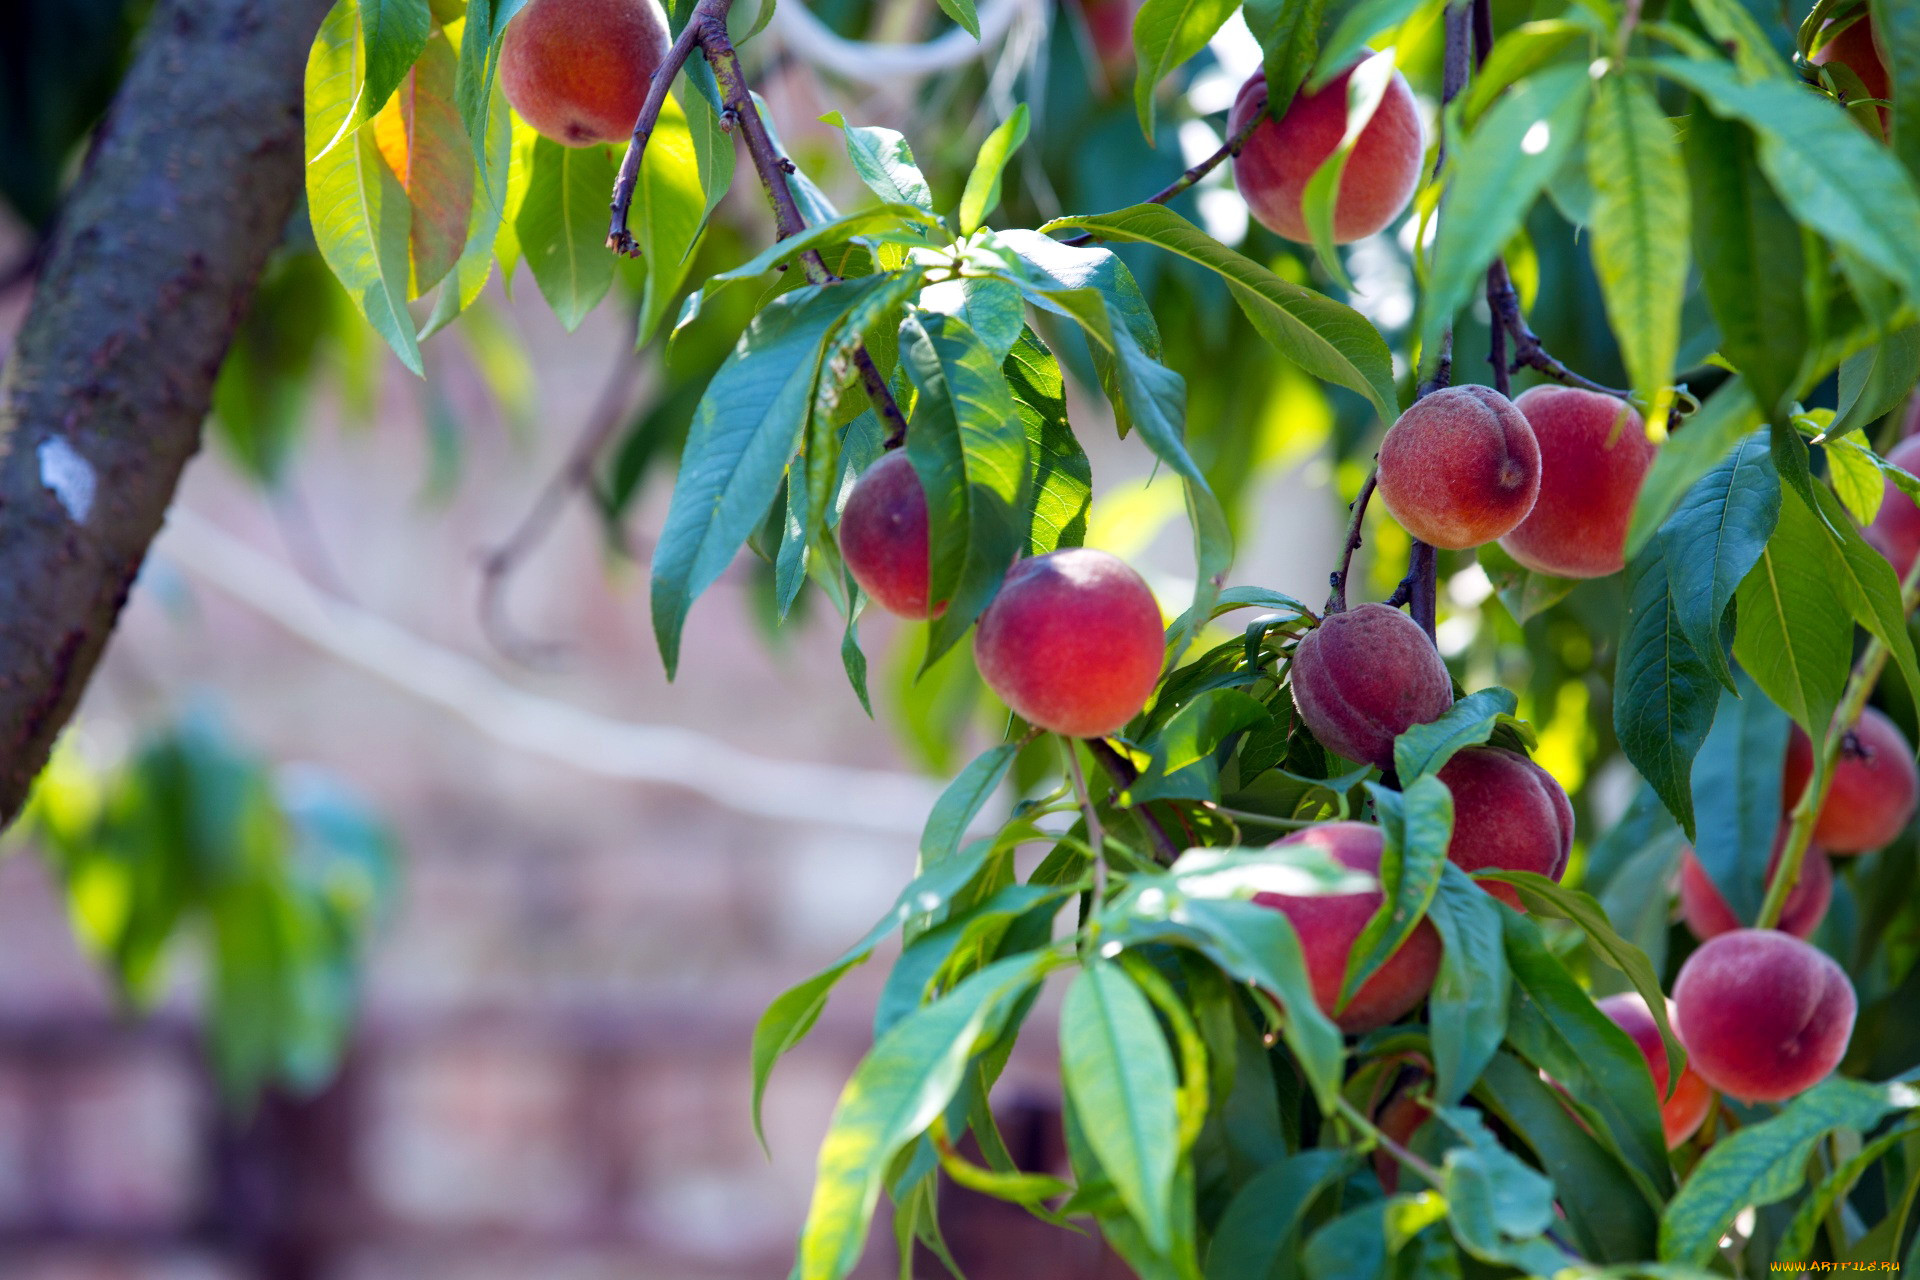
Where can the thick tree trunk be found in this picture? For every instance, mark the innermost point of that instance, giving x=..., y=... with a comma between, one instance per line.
x=188, y=187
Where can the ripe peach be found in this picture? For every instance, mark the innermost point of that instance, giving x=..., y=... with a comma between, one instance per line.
x=1858, y=51
x=578, y=70
x=1364, y=676
x=1329, y=923
x=1763, y=1015
x=883, y=536
x=1459, y=468
x=1875, y=785
x=1594, y=453
x=1682, y=1111
x=1072, y=642
x=1110, y=27
x=1508, y=815
x=1707, y=914
x=1895, y=531
x=1279, y=157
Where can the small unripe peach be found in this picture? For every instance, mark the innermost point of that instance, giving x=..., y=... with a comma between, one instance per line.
x=1707, y=914
x=1508, y=815
x=1072, y=642
x=1682, y=1110
x=883, y=537
x=1282, y=153
x=1363, y=677
x=1594, y=453
x=1763, y=1015
x=1875, y=785
x=1895, y=531
x=578, y=70
x=1460, y=468
x=1328, y=924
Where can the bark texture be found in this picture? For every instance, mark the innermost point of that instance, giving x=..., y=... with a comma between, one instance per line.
x=188, y=187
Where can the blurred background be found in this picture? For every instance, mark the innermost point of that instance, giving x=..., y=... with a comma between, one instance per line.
x=382, y=915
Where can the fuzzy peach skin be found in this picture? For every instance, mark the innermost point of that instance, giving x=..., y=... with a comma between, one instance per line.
x=578, y=70
x=1875, y=785
x=1763, y=1015
x=1895, y=530
x=1363, y=677
x=1460, y=468
x=1072, y=642
x=883, y=537
x=1508, y=815
x=1329, y=923
x=1273, y=167
x=1682, y=1110
x=1594, y=453
x=1707, y=914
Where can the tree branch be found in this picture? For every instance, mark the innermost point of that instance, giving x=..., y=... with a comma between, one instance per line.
x=1231, y=147
x=1528, y=352
x=1124, y=775
x=1337, y=597
x=187, y=189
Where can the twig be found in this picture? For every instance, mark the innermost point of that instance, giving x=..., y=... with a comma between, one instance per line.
x=1527, y=349
x=619, y=238
x=1398, y=1152
x=1231, y=147
x=1124, y=775
x=1497, y=333
x=1423, y=593
x=1866, y=672
x=574, y=474
x=1337, y=597
x=1096, y=834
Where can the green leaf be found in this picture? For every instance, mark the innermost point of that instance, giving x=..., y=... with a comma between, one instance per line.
x=973, y=934
x=360, y=215
x=1877, y=380
x=561, y=227
x=1115, y=1065
x=1189, y=738
x=1795, y=636
x=991, y=306
x=1525, y=594
x=669, y=211
x=1896, y=26
x=1325, y=338
x=712, y=148
x=881, y=220
x=1728, y=415
x=961, y=11
x=1752, y=259
x=1468, y=1011
x=962, y=801
x=1868, y=584
x=1497, y=1206
x=1640, y=216
x=969, y=448
x=1053, y=265
x=474, y=267
x=1519, y=52
x=1365, y=1243
x=1834, y=178
x=1736, y=794
x=790, y=564
x=1496, y=174
x=747, y=428
x=1366, y=88
x=1418, y=824
x=1262, y=1222
x=1712, y=541
x=486, y=27
x=1766, y=1162
x=884, y=161
x=1470, y=721
x=982, y=195
x=1796, y=1243
x=1060, y=486
x=1353, y=35
x=895, y=1093
x=1663, y=691
x=396, y=35
x=1165, y=34
x=1289, y=36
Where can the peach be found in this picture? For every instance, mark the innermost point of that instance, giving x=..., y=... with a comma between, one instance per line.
x=1363, y=677
x=1328, y=924
x=1279, y=157
x=1895, y=530
x=1707, y=914
x=1594, y=453
x=1684, y=1108
x=1858, y=51
x=578, y=70
x=883, y=537
x=1460, y=468
x=1110, y=27
x=1763, y=1015
x=1508, y=815
x=1875, y=785
x=1072, y=642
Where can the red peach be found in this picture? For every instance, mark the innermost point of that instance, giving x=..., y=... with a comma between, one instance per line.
x=578, y=70
x=1594, y=453
x=1683, y=1110
x=1508, y=815
x=1460, y=468
x=1763, y=1015
x=1110, y=27
x=1072, y=642
x=1707, y=914
x=1895, y=530
x=1875, y=785
x=1363, y=677
x=1281, y=155
x=883, y=537
x=1328, y=924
